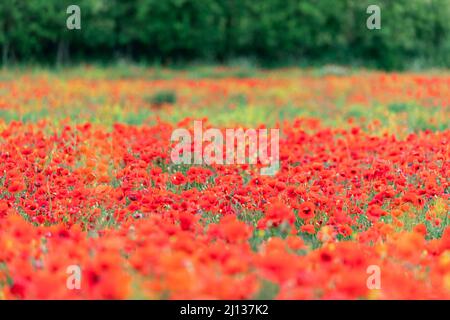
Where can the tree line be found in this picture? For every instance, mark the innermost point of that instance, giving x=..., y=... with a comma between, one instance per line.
x=269, y=32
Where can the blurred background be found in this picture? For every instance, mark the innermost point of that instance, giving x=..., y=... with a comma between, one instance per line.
x=414, y=34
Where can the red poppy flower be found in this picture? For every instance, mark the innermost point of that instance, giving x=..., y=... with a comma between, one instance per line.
x=306, y=210
x=178, y=179
x=308, y=228
x=278, y=212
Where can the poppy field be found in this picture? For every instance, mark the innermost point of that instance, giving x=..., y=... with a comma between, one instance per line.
x=359, y=208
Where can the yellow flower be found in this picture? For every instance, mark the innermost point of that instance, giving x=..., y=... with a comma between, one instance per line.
x=440, y=207
x=447, y=281
x=374, y=294
x=381, y=249
x=444, y=259
x=9, y=244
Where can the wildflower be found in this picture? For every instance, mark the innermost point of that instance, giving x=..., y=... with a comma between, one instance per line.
x=306, y=210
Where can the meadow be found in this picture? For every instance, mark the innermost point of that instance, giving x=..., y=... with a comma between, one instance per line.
x=86, y=180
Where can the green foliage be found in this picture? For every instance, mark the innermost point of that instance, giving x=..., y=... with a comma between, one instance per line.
x=414, y=33
x=268, y=291
x=162, y=97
